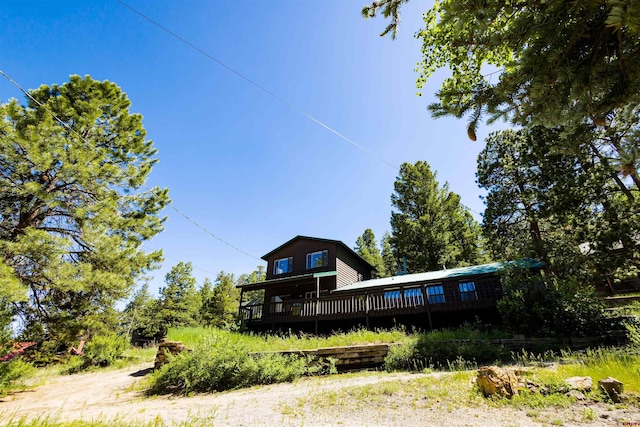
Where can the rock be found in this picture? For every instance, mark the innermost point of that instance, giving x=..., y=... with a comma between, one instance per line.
x=165, y=348
x=579, y=383
x=493, y=380
x=612, y=388
x=577, y=395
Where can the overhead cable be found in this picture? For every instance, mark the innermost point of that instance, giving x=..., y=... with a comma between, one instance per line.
x=265, y=90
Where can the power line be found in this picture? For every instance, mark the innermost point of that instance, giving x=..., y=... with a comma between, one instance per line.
x=65, y=125
x=265, y=90
x=256, y=84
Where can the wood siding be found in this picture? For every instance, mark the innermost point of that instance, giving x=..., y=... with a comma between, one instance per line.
x=299, y=249
x=350, y=269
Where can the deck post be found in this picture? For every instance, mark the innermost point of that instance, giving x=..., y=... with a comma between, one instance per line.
x=366, y=308
x=425, y=298
x=240, y=314
x=317, y=302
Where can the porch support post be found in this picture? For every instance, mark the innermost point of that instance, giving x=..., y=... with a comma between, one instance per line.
x=240, y=314
x=317, y=301
x=366, y=308
x=425, y=298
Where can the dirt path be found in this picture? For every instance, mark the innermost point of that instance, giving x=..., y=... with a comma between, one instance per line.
x=113, y=395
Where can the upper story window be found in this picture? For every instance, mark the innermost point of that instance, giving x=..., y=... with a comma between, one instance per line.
x=317, y=259
x=468, y=291
x=282, y=265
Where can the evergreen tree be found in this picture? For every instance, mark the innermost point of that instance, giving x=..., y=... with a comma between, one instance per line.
x=206, y=296
x=140, y=313
x=256, y=276
x=73, y=212
x=544, y=202
x=179, y=303
x=430, y=227
x=222, y=307
x=389, y=260
x=367, y=248
x=558, y=63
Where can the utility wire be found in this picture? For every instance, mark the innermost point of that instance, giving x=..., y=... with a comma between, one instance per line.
x=257, y=85
x=65, y=125
x=265, y=90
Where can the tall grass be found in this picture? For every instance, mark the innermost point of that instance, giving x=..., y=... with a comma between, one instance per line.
x=449, y=349
x=49, y=421
x=622, y=364
x=289, y=341
x=222, y=360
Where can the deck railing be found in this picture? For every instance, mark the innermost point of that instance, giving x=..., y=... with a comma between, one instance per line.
x=404, y=300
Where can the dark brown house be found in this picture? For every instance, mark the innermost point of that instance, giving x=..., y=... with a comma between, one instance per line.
x=320, y=285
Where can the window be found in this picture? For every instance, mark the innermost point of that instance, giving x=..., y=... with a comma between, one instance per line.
x=468, y=291
x=282, y=265
x=435, y=294
x=317, y=259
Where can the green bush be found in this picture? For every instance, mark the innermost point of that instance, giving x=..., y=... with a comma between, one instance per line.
x=222, y=362
x=11, y=371
x=104, y=350
x=464, y=346
x=541, y=306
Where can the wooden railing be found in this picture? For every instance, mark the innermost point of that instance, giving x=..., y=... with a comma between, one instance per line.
x=388, y=302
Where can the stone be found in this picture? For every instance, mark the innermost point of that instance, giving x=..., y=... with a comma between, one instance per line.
x=612, y=388
x=577, y=395
x=493, y=380
x=580, y=383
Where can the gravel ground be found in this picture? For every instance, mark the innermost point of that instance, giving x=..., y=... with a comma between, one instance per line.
x=115, y=395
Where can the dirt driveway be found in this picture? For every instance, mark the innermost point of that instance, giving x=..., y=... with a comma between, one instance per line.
x=116, y=395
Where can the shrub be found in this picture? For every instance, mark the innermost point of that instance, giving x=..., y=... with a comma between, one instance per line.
x=104, y=350
x=221, y=362
x=446, y=349
x=536, y=305
x=11, y=371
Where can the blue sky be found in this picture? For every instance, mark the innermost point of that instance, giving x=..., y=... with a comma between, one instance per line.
x=247, y=167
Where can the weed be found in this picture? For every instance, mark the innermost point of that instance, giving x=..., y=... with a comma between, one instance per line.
x=589, y=414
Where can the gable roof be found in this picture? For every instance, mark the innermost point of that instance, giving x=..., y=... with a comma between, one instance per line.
x=337, y=242
x=432, y=276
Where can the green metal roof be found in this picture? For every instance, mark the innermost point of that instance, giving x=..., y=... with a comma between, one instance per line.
x=431, y=276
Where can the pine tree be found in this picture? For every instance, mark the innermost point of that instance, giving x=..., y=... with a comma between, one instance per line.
x=222, y=307
x=73, y=209
x=140, y=313
x=544, y=202
x=367, y=248
x=430, y=227
x=179, y=303
x=256, y=276
x=388, y=258
x=558, y=63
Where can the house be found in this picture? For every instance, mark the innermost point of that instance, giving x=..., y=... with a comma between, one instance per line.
x=320, y=285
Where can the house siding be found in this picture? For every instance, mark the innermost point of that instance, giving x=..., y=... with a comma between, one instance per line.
x=350, y=269
x=299, y=250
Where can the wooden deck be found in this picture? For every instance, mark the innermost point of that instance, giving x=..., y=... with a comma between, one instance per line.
x=411, y=300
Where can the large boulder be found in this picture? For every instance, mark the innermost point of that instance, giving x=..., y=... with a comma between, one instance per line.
x=493, y=380
x=612, y=388
x=580, y=383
